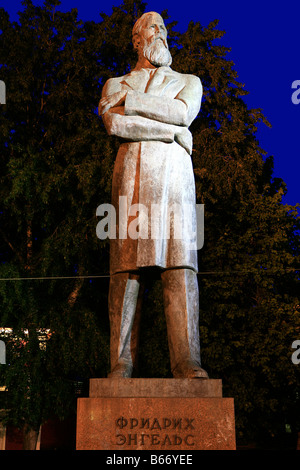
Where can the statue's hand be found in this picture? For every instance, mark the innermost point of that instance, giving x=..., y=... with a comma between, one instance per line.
x=184, y=138
x=110, y=101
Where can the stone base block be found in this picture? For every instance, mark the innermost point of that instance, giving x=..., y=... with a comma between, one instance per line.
x=155, y=422
x=155, y=388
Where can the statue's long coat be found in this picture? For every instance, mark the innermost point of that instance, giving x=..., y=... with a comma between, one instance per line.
x=152, y=169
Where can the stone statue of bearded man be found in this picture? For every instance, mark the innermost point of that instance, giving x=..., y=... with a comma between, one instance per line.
x=150, y=110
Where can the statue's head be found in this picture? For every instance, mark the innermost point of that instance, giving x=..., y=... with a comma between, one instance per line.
x=149, y=38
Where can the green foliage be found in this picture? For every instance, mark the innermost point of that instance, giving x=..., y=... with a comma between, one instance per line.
x=56, y=166
x=55, y=171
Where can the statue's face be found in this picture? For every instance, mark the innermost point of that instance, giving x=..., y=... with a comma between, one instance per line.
x=154, y=29
x=152, y=41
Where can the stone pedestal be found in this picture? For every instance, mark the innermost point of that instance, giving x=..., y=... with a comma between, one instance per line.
x=155, y=414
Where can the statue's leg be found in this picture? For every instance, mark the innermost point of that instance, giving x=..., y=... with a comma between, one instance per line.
x=181, y=304
x=125, y=298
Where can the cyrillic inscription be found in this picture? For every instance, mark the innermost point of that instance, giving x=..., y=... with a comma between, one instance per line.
x=168, y=438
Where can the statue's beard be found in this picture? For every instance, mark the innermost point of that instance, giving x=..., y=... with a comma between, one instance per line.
x=157, y=53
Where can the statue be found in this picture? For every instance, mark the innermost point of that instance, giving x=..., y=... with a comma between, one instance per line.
x=150, y=109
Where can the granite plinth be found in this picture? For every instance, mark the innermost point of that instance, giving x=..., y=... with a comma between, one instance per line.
x=165, y=414
x=155, y=388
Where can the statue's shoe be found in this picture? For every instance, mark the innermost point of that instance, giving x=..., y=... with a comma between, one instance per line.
x=189, y=370
x=121, y=370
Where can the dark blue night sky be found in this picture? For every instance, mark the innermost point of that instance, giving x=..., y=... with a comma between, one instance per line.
x=264, y=41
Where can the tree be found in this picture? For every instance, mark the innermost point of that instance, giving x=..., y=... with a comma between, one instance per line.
x=56, y=168
x=53, y=176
